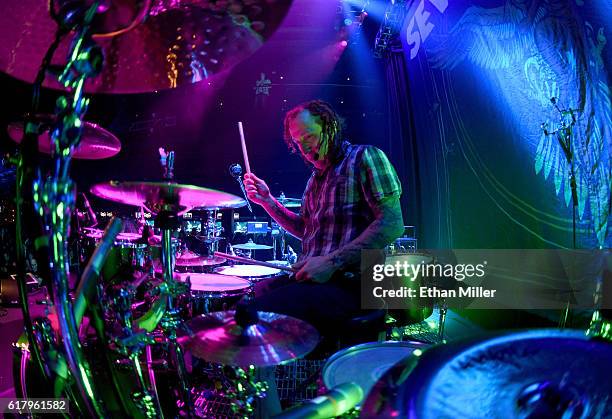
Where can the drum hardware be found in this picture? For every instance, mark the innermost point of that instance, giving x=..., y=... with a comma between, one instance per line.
x=96, y=142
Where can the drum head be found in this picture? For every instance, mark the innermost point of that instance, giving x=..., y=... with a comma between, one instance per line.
x=364, y=364
x=540, y=373
x=247, y=271
x=204, y=282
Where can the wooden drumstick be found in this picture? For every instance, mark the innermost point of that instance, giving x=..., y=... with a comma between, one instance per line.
x=245, y=155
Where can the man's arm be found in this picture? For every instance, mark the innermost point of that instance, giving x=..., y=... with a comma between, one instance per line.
x=289, y=220
x=386, y=227
x=259, y=192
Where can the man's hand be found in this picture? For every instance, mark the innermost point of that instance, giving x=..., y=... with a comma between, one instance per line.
x=317, y=269
x=257, y=190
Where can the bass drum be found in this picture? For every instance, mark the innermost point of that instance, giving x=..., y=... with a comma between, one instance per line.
x=534, y=374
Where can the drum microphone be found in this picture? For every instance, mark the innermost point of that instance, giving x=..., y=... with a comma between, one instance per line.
x=236, y=172
x=336, y=402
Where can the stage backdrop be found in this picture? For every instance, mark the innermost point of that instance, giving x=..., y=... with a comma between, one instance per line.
x=504, y=96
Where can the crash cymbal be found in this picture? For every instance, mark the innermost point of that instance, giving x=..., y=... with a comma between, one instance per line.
x=155, y=196
x=274, y=339
x=290, y=202
x=251, y=246
x=534, y=374
x=180, y=41
x=193, y=259
x=96, y=142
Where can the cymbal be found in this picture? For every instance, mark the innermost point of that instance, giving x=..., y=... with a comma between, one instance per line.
x=251, y=246
x=537, y=373
x=96, y=142
x=157, y=195
x=192, y=259
x=180, y=42
x=290, y=202
x=273, y=340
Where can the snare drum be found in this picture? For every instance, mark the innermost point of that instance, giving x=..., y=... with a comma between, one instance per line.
x=213, y=292
x=253, y=273
x=364, y=364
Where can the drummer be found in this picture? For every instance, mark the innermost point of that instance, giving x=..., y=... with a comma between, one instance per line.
x=351, y=202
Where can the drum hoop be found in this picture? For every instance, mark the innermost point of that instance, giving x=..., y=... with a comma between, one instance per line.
x=367, y=346
x=279, y=272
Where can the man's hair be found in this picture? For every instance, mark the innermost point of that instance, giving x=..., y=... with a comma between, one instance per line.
x=330, y=120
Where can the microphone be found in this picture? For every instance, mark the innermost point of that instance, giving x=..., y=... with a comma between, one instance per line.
x=236, y=172
x=336, y=402
x=90, y=212
x=553, y=100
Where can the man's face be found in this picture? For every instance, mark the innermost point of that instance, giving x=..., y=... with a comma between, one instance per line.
x=307, y=133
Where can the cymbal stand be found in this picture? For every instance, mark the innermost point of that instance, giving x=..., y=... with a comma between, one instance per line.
x=54, y=197
x=167, y=220
x=27, y=169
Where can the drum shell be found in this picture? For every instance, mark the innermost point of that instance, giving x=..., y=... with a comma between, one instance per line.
x=205, y=297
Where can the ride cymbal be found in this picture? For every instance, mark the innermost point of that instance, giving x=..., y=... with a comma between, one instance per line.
x=156, y=196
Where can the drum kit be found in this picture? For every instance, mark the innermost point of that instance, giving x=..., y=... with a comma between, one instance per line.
x=148, y=322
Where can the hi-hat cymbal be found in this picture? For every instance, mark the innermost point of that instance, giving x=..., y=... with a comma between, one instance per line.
x=96, y=142
x=274, y=339
x=290, y=202
x=156, y=196
x=251, y=246
x=192, y=259
x=180, y=41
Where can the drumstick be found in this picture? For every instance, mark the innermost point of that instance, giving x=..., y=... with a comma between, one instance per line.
x=245, y=155
x=254, y=262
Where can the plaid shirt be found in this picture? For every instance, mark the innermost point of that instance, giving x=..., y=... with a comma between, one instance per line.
x=337, y=203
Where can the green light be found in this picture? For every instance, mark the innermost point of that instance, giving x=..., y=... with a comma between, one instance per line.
x=417, y=352
x=86, y=382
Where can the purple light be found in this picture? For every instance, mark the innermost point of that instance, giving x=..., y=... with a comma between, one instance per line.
x=343, y=43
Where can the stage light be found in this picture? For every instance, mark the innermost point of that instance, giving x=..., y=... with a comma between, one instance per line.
x=343, y=43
